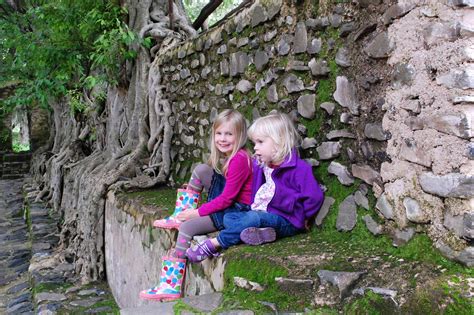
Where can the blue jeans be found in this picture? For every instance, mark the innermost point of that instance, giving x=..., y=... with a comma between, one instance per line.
x=216, y=188
x=236, y=222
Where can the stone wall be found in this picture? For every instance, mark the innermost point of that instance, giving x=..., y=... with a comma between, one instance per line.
x=380, y=91
x=429, y=183
x=134, y=250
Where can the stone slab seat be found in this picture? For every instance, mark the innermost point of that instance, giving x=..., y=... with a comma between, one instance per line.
x=133, y=251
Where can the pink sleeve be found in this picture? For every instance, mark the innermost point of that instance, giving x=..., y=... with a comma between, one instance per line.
x=237, y=174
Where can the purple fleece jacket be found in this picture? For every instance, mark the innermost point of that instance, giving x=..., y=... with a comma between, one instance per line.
x=298, y=196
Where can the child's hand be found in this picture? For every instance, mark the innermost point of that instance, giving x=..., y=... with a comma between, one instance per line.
x=188, y=215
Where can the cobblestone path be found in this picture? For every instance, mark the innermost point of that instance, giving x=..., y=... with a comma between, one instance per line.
x=32, y=279
x=15, y=251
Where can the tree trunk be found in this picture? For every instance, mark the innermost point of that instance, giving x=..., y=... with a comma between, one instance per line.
x=133, y=126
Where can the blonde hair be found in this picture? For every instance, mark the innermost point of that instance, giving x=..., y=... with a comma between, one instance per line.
x=278, y=127
x=239, y=126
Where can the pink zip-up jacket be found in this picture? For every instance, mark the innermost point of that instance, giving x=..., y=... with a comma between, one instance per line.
x=238, y=186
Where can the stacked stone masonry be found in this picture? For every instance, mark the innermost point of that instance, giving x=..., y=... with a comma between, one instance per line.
x=381, y=90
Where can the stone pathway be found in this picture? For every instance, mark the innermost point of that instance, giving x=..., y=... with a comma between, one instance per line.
x=32, y=279
x=15, y=251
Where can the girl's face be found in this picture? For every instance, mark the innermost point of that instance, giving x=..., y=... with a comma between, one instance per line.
x=224, y=139
x=264, y=149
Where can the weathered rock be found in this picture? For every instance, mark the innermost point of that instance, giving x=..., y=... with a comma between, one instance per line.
x=411, y=105
x=314, y=47
x=301, y=38
x=194, y=64
x=454, y=223
x=402, y=237
x=248, y=285
x=380, y=291
x=242, y=42
x=272, y=94
x=468, y=226
x=187, y=140
x=293, y=84
x=346, y=28
x=273, y=8
x=238, y=63
x=380, y=47
x=463, y=99
x=457, y=124
x=259, y=15
x=344, y=281
x=309, y=143
x=336, y=134
x=184, y=73
x=366, y=173
x=396, y=11
x=438, y=32
x=205, y=303
x=384, y=206
x=449, y=185
x=462, y=78
x=329, y=150
x=318, y=24
x=466, y=257
x=342, y=57
x=46, y=296
x=306, y=106
x=341, y=172
x=347, y=216
x=403, y=74
x=296, y=65
x=361, y=200
x=375, y=131
x=466, y=27
x=206, y=70
x=346, y=118
x=410, y=152
x=222, y=49
x=328, y=202
x=260, y=60
x=244, y=86
x=413, y=210
x=270, y=35
x=328, y=107
x=372, y=226
x=345, y=95
x=319, y=68
x=284, y=45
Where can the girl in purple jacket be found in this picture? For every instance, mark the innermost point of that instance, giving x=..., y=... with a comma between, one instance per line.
x=285, y=194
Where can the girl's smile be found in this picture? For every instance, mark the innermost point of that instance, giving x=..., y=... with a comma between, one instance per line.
x=224, y=139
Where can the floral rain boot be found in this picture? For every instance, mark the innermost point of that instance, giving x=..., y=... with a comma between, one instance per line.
x=171, y=281
x=202, y=251
x=258, y=236
x=186, y=199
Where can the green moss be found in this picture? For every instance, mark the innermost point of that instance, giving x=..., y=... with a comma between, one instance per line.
x=163, y=197
x=370, y=303
x=314, y=125
x=50, y=287
x=440, y=298
x=258, y=270
x=282, y=62
x=325, y=90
